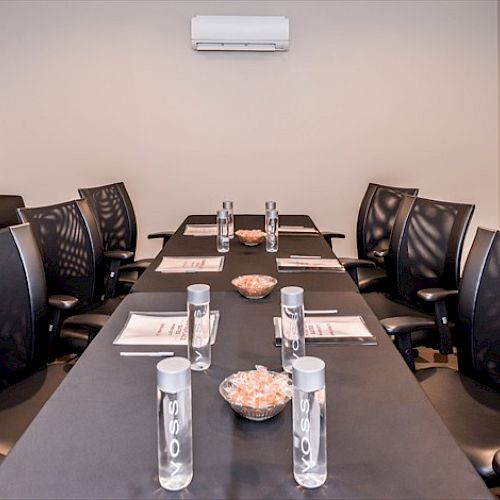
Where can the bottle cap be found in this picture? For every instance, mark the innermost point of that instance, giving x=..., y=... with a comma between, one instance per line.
x=227, y=204
x=308, y=373
x=198, y=294
x=173, y=374
x=270, y=205
x=222, y=214
x=292, y=296
x=272, y=213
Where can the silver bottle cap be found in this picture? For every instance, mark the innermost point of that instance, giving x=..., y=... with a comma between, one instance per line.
x=198, y=294
x=227, y=205
x=308, y=373
x=173, y=374
x=292, y=296
x=270, y=205
x=271, y=214
x=222, y=214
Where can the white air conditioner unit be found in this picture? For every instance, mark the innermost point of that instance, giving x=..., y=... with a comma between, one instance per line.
x=261, y=33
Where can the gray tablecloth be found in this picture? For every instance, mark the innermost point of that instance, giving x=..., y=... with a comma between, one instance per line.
x=242, y=259
x=96, y=437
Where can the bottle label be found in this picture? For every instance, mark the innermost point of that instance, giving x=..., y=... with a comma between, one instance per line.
x=305, y=443
x=173, y=429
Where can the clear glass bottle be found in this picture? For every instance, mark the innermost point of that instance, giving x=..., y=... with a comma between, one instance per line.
x=198, y=310
x=309, y=422
x=293, y=344
x=222, y=231
x=228, y=205
x=175, y=435
x=272, y=231
x=270, y=205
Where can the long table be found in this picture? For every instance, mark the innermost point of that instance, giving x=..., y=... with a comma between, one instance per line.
x=96, y=437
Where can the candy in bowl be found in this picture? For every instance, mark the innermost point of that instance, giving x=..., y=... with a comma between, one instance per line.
x=250, y=237
x=254, y=286
x=257, y=394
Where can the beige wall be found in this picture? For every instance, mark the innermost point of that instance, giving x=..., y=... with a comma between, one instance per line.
x=402, y=93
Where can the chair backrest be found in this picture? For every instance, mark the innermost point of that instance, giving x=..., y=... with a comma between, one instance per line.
x=376, y=216
x=426, y=246
x=8, y=209
x=114, y=212
x=71, y=249
x=478, y=327
x=23, y=303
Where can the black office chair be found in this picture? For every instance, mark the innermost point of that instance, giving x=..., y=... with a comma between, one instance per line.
x=376, y=217
x=70, y=245
x=8, y=209
x=469, y=400
x=25, y=380
x=424, y=252
x=114, y=212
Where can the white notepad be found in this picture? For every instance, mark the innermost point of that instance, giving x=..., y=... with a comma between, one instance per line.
x=332, y=329
x=200, y=230
x=191, y=264
x=163, y=328
x=285, y=264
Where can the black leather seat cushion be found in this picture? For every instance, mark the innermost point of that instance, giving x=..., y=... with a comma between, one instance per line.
x=383, y=308
x=370, y=279
x=471, y=411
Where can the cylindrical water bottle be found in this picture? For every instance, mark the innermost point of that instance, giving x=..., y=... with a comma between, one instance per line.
x=272, y=231
x=228, y=205
x=198, y=310
x=175, y=436
x=292, y=326
x=270, y=205
x=309, y=422
x=222, y=231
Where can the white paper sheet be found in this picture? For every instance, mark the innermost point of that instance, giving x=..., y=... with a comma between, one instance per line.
x=297, y=229
x=157, y=329
x=190, y=264
x=349, y=330
x=308, y=264
x=200, y=230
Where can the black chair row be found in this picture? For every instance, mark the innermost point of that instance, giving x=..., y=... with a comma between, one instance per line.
x=415, y=289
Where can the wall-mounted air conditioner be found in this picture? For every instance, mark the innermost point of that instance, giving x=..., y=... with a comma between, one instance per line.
x=261, y=33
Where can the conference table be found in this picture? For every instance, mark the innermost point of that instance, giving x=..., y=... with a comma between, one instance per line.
x=96, y=436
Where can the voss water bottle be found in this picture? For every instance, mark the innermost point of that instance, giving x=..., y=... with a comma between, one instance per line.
x=222, y=231
x=292, y=326
x=309, y=422
x=228, y=205
x=175, y=436
x=272, y=231
x=198, y=310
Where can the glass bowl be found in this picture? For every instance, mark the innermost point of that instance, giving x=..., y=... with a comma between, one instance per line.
x=250, y=237
x=254, y=286
x=257, y=394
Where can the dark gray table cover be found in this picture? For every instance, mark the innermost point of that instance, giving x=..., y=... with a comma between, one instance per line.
x=96, y=437
x=242, y=259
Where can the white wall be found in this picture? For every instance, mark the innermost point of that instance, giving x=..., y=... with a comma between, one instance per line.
x=403, y=93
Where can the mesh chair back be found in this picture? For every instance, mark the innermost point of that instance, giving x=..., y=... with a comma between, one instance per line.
x=478, y=339
x=426, y=246
x=23, y=301
x=71, y=249
x=376, y=216
x=8, y=209
x=115, y=215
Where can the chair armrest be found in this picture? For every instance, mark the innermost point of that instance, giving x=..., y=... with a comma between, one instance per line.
x=166, y=235
x=436, y=294
x=402, y=325
x=63, y=302
x=353, y=263
x=140, y=266
x=91, y=321
x=118, y=255
x=330, y=234
x=381, y=254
